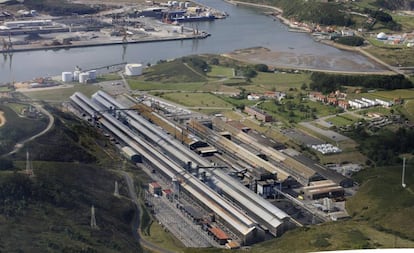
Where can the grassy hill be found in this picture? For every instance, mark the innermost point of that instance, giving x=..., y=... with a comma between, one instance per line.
x=51, y=211
x=17, y=128
x=186, y=69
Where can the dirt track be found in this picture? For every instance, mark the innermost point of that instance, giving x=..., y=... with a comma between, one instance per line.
x=2, y=119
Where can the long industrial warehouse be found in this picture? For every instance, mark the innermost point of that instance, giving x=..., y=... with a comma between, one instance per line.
x=244, y=226
x=272, y=218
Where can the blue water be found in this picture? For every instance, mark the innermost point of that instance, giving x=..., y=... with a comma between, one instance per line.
x=244, y=28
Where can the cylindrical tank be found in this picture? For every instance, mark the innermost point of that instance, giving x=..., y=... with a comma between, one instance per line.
x=133, y=69
x=76, y=75
x=67, y=77
x=187, y=4
x=83, y=77
x=181, y=5
x=92, y=74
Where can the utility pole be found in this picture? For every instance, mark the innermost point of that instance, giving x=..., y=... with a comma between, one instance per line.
x=29, y=166
x=116, y=192
x=403, y=175
x=93, y=219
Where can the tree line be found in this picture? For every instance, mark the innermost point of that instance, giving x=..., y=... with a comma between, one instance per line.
x=385, y=146
x=327, y=83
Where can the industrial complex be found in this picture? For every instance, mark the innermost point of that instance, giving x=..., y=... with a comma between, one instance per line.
x=30, y=30
x=210, y=172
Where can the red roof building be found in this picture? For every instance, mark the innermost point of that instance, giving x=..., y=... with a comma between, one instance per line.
x=219, y=235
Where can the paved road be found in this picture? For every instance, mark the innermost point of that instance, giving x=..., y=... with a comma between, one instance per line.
x=137, y=231
x=328, y=133
x=20, y=145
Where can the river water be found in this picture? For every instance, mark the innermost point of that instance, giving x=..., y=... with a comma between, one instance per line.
x=244, y=28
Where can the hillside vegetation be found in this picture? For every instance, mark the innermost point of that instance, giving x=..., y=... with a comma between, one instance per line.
x=313, y=11
x=17, y=128
x=185, y=69
x=50, y=212
x=396, y=4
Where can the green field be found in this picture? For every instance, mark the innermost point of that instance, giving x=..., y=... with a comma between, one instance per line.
x=393, y=56
x=342, y=120
x=4, y=89
x=382, y=202
x=61, y=94
x=220, y=71
x=376, y=109
x=406, y=21
x=164, y=239
x=196, y=99
x=409, y=107
x=148, y=86
x=16, y=107
x=279, y=81
x=300, y=110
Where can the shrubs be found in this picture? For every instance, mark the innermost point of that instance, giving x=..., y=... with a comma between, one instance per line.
x=353, y=41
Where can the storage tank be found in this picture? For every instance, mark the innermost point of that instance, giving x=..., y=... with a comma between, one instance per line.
x=76, y=75
x=92, y=74
x=382, y=36
x=83, y=77
x=67, y=77
x=187, y=4
x=133, y=69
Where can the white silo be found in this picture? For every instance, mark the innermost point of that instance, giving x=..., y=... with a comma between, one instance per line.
x=76, y=75
x=83, y=77
x=67, y=77
x=92, y=74
x=133, y=69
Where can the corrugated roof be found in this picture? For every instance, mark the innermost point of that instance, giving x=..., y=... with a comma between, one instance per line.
x=218, y=233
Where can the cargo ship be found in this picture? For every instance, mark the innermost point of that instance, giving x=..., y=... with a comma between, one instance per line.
x=190, y=18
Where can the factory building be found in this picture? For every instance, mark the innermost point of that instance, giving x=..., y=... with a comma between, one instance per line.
x=155, y=188
x=26, y=23
x=248, y=215
x=323, y=189
x=265, y=188
x=131, y=155
x=258, y=114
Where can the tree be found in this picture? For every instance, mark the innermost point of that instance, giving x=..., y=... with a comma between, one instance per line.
x=304, y=86
x=261, y=67
x=6, y=164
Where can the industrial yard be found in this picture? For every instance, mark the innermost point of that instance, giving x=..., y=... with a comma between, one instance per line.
x=143, y=22
x=189, y=170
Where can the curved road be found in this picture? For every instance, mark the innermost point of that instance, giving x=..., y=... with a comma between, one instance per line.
x=20, y=145
x=137, y=231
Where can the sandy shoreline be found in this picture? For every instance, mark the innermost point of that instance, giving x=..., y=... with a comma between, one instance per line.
x=358, y=50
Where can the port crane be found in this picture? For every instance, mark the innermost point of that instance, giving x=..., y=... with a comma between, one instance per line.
x=7, y=45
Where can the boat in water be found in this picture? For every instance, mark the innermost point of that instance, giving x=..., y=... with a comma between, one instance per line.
x=192, y=18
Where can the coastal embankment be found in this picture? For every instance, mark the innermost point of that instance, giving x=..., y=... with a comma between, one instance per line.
x=278, y=14
x=296, y=28
x=100, y=42
x=290, y=61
